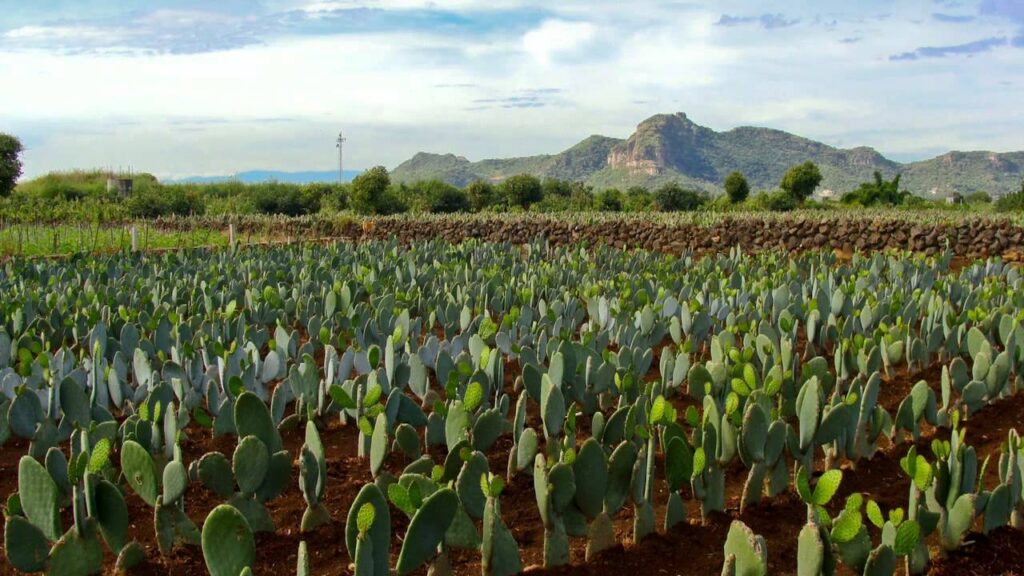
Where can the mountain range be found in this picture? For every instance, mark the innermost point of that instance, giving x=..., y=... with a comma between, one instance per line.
x=671, y=147
x=255, y=176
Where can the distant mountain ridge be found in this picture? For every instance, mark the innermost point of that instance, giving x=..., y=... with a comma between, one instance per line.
x=256, y=176
x=671, y=147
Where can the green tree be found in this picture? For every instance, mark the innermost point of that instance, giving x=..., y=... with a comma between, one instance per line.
x=736, y=187
x=878, y=192
x=557, y=187
x=1012, y=202
x=369, y=190
x=801, y=180
x=446, y=199
x=979, y=197
x=638, y=199
x=10, y=163
x=481, y=195
x=672, y=197
x=522, y=190
x=610, y=200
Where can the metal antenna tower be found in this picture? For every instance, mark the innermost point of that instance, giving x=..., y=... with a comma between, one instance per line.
x=341, y=157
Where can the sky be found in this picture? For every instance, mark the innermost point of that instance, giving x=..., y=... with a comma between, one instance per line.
x=197, y=88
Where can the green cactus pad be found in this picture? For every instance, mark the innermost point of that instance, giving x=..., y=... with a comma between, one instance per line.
x=129, y=557
x=366, y=558
x=881, y=562
x=24, y=413
x=173, y=528
x=810, y=551
x=39, y=497
x=468, y=485
x=600, y=536
x=254, y=512
x=591, y=467
x=408, y=441
x=228, y=545
x=279, y=472
x=250, y=464
x=140, y=471
x=27, y=548
x=175, y=481
x=747, y=549
x=77, y=554
x=379, y=532
x=462, y=533
x=526, y=449
x=499, y=551
x=215, y=473
x=252, y=417
x=112, y=515
x=427, y=530
x=75, y=404
x=620, y=476
x=378, y=444
x=487, y=429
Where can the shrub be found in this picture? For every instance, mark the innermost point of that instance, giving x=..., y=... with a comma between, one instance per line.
x=482, y=195
x=556, y=187
x=736, y=187
x=446, y=199
x=1012, y=202
x=638, y=199
x=672, y=197
x=877, y=193
x=10, y=163
x=369, y=190
x=801, y=180
x=777, y=201
x=522, y=190
x=979, y=197
x=610, y=200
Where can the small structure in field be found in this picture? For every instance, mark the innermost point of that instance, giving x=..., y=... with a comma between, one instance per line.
x=120, y=183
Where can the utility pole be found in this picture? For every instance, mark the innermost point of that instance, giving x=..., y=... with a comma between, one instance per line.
x=341, y=157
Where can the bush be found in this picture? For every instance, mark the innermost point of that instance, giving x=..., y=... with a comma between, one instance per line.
x=578, y=201
x=672, y=197
x=286, y=199
x=979, y=197
x=154, y=202
x=445, y=198
x=877, y=193
x=522, y=190
x=330, y=195
x=777, y=201
x=556, y=187
x=638, y=199
x=369, y=190
x=801, y=180
x=10, y=163
x=482, y=195
x=1012, y=202
x=610, y=200
x=736, y=187
x=390, y=202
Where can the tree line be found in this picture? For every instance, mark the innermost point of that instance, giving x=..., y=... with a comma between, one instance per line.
x=374, y=192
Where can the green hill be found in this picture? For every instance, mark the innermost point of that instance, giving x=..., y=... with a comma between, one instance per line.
x=671, y=147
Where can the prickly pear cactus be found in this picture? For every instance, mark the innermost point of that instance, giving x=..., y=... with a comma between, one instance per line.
x=228, y=545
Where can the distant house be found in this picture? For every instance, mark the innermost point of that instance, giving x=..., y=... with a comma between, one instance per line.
x=826, y=194
x=954, y=198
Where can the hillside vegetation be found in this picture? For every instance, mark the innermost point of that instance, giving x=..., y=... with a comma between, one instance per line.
x=673, y=148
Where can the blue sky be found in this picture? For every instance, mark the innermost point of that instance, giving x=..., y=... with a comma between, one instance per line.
x=214, y=87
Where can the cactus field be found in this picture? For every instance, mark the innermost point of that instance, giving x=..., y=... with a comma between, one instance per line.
x=487, y=408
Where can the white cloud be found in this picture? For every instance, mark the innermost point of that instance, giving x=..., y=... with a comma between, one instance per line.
x=276, y=100
x=558, y=38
